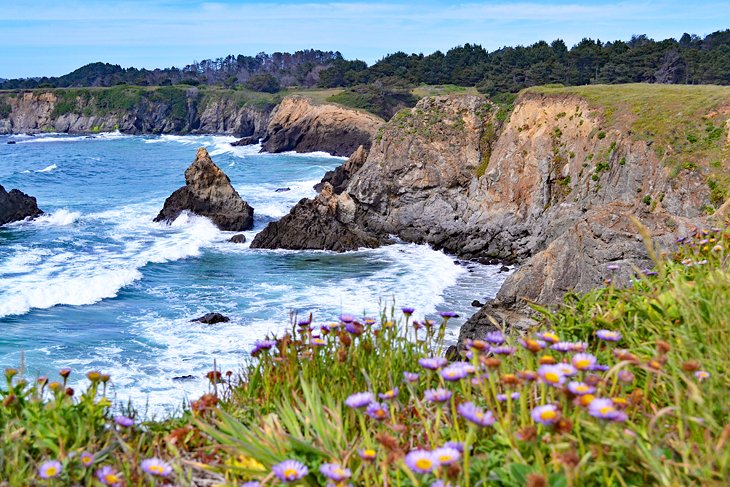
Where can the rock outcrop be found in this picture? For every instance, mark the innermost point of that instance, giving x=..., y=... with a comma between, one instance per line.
x=212, y=319
x=297, y=124
x=340, y=176
x=16, y=205
x=208, y=192
x=154, y=112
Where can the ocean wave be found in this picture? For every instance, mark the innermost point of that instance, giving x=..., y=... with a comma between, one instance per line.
x=48, y=168
x=61, y=217
x=60, y=137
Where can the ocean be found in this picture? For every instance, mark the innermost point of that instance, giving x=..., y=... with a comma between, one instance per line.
x=94, y=284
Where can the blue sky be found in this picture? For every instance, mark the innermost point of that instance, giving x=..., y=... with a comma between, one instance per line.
x=54, y=37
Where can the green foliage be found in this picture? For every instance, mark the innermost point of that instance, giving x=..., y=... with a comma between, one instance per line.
x=5, y=108
x=382, y=100
x=175, y=98
x=601, y=135
x=264, y=82
x=646, y=200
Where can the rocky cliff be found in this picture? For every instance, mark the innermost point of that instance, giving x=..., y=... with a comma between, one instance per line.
x=16, y=205
x=552, y=185
x=297, y=124
x=133, y=110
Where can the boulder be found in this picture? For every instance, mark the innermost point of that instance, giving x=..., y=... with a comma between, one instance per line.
x=208, y=192
x=320, y=223
x=212, y=319
x=16, y=205
x=239, y=239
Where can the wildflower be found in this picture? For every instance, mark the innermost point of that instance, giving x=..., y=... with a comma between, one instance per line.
x=318, y=342
x=583, y=361
x=456, y=445
x=603, y=409
x=562, y=347
x=551, y=374
x=335, y=472
x=359, y=399
x=347, y=318
x=64, y=372
x=503, y=397
x=662, y=346
x=10, y=373
x=475, y=414
x=620, y=402
x=453, y=372
x=411, y=376
x=93, y=376
x=262, y=345
x=691, y=366
x=253, y=483
x=528, y=433
x=447, y=455
x=391, y=394
x=586, y=399
x=608, y=335
x=613, y=267
x=568, y=370
x=108, y=476
x=580, y=388
x=649, y=272
x=448, y=314
x=290, y=470
x=702, y=375
x=547, y=360
x=87, y=459
x=510, y=379
x=367, y=454
x=502, y=350
x=432, y=363
x=532, y=345
x=377, y=411
x=495, y=337
x=407, y=311
x=354, y=328
x=421, y=461
x=123, y=421
x=437, y=395
x=156, y=467
x=50, y=469
x=548, y=336
x=547, y=414
x=439, y=483
x=479, y=345
x=717, y=248
x=626, y=376
x=528, y=375
x=490, y=362
x=623, y=354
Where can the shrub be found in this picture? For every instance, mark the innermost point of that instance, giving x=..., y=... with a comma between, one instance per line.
x=263, y=82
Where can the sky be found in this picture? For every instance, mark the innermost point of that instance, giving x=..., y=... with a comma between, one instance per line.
x=54, y=37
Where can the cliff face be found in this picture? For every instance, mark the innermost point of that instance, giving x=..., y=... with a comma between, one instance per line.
x=299, y=125
x=135, y=112
x=553, y=187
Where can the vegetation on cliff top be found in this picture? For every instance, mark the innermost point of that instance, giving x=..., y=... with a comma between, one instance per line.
x=617, y=387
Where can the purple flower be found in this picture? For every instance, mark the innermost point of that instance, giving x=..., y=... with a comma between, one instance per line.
x=378, y=411
x=347, y=318
x=50, y=469
x=580, y=388
x=359, y=399
x=407, y=311
x=437, y=395
x=583, y=361
x=421, y=461
x=548, y=336
x=252, y=483
x=411, y=376
x=626, y=376
x=503, y=397
x=568, y=369
x=603, y=409
x=456, y=445
x=439, y=483
x=495, y=337
x=290, y=470
x=600, y=367
x=447, y=455
x=354, y=328
x=562, y=347
x=475, y=414
x=335, y=472
x=123, y=421
x=432, y=363
x=613, y=267
x=262, y=345
x=391, y=394
x=108, y=476
x=608, y=335
x=702, y=375
x=547, y=414
x=367, y=454
x=448, y=314
x=318, y=342
x=156, y=467
x=454, y=372
x=503, y=350
x=87, y=459
x=532, y=345
x=649, y=272
x=551, y=374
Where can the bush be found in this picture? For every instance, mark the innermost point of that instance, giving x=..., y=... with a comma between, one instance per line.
x=264, y=82
x=5, y=109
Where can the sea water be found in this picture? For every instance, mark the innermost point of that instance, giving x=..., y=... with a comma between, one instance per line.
x=95, y=284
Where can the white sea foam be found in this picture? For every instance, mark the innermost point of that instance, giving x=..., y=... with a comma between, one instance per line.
x=59, y=137
x=48, y=168
x=61, y=217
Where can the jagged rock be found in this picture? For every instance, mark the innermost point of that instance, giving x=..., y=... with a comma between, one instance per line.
x=11, y=142
x=340, y=176
x=183, y=378
x=240, y=238
x=208, y=192
x=281, y=190
x=298, y=125
x=250, y=140
x=477, y=304
x=212, y=319
x=320, y=223
x=16, y=205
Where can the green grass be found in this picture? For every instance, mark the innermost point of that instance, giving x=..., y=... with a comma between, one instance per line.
x=686, y=124
x=288, y=401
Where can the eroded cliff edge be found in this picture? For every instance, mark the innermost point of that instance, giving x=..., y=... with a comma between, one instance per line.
x=553, y=185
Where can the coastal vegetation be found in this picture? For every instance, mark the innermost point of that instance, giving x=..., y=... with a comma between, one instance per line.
x=619, y=386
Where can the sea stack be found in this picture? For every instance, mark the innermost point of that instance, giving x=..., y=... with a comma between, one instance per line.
x=16, y=205
x=208, y=192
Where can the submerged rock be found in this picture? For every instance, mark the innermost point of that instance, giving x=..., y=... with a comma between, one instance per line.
x=240, y=238
x=212, y=319
x=16, y=205
x=208, y=192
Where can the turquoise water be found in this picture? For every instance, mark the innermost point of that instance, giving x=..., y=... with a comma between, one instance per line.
x=95, y=284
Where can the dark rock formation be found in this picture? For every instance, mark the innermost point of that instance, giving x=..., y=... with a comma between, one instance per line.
x=298, y=125
x=208, y=192
x=183, y=378
x=16, y=205
x=240, y=238
x=320, y=223
x=282, y=190
x=212, y=319
x=477, y=304
x=250, y=140
x=340, y=176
